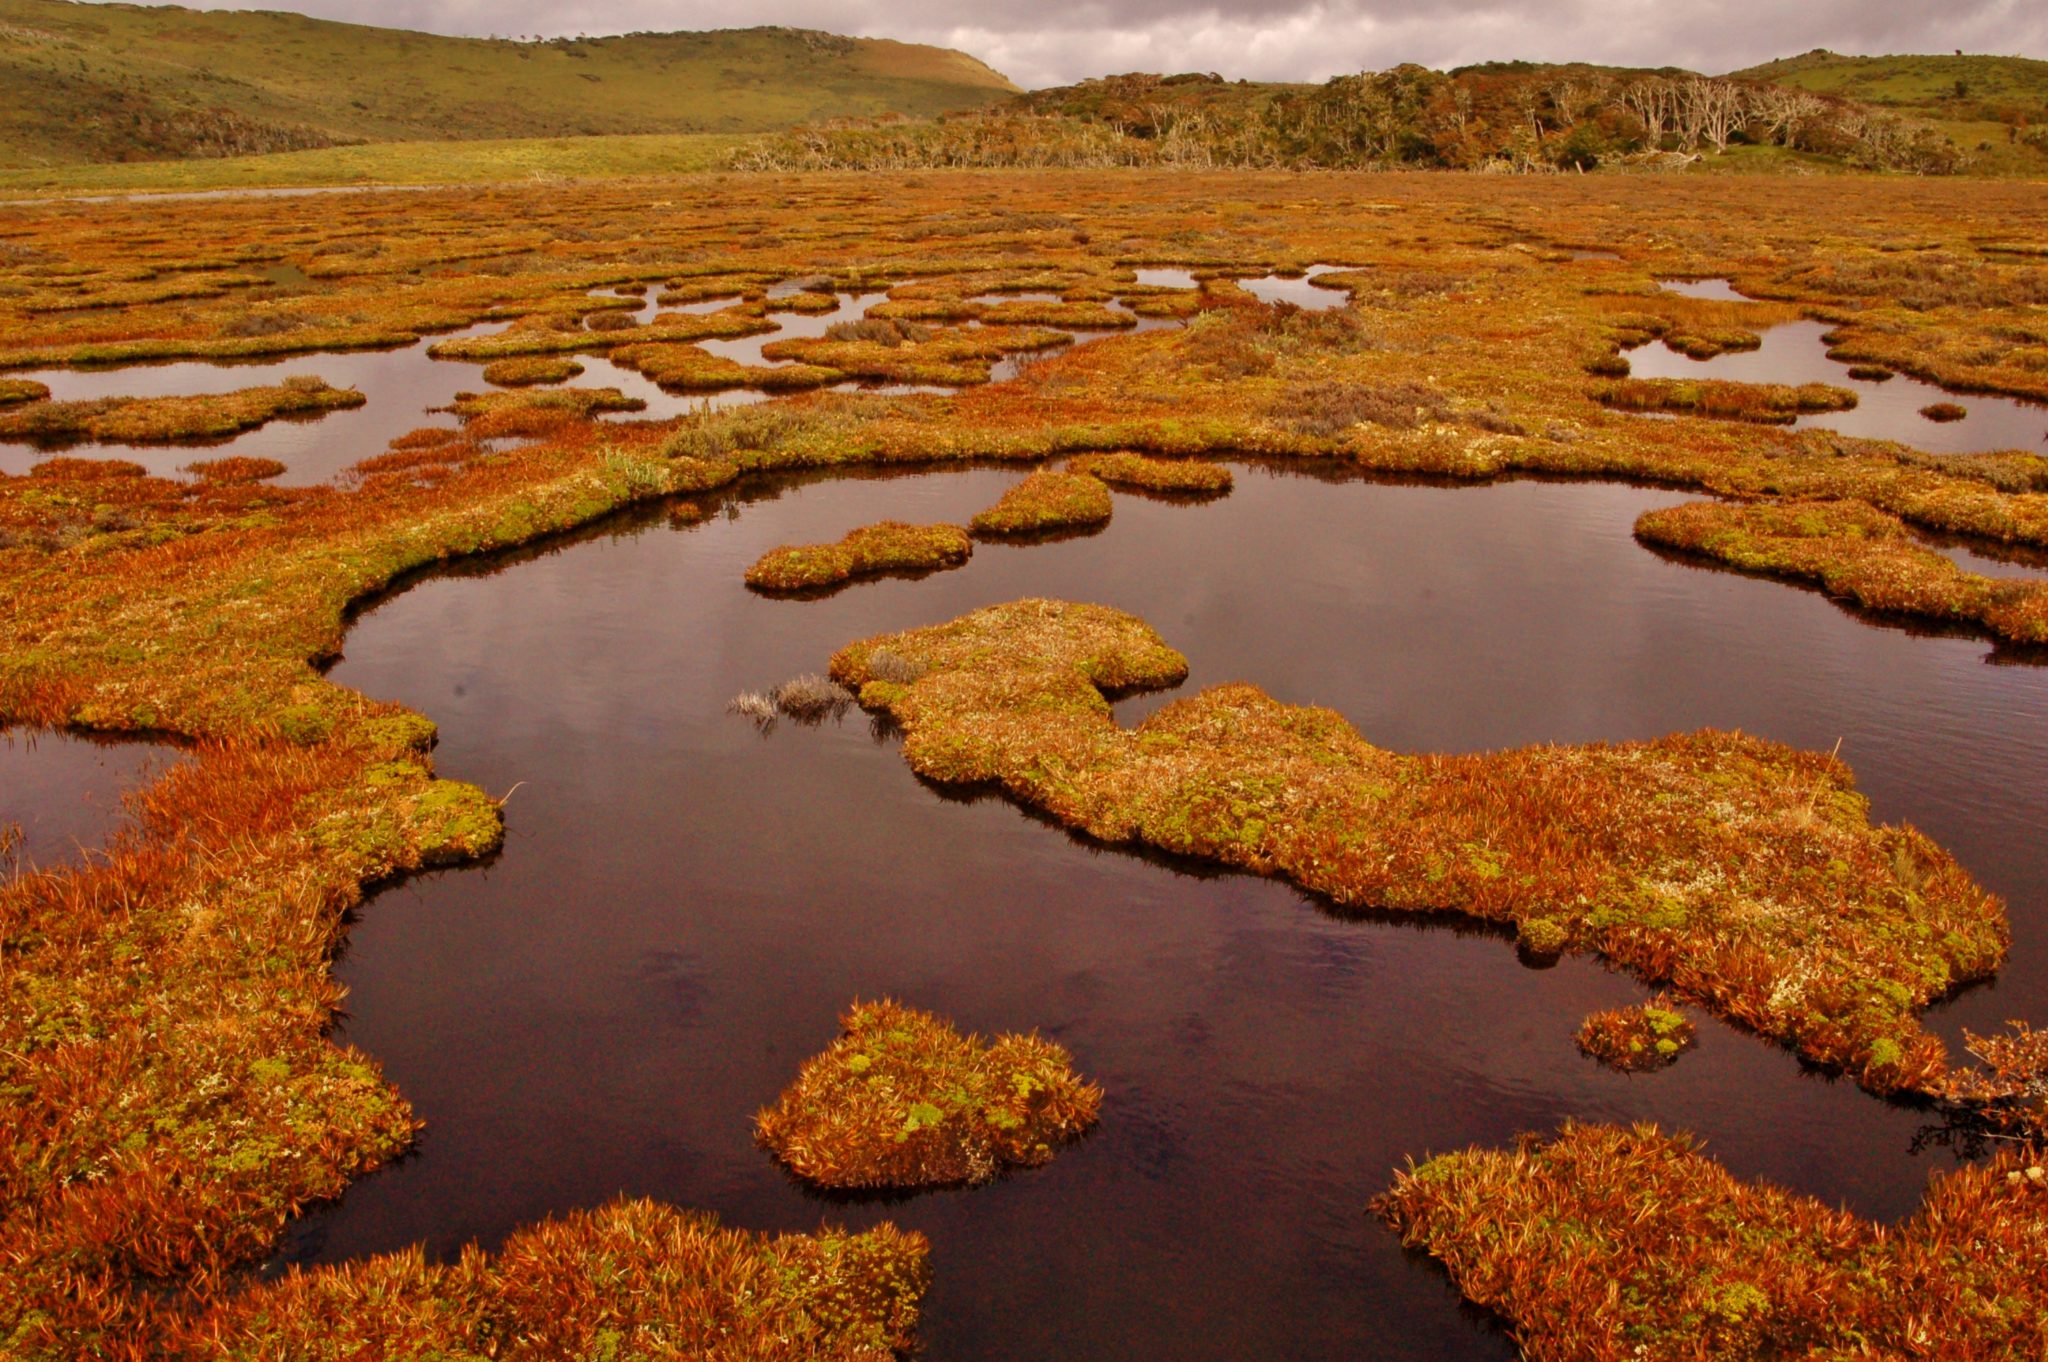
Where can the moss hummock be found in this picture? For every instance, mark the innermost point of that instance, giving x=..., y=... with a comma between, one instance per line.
x=1647, y=1036
x=902, y=1099
x=889, y=547
x=1044, y=503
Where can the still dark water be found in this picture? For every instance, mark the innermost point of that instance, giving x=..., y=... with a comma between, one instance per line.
x=683, y=906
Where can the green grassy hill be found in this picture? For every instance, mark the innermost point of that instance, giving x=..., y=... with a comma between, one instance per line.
x=1995, y=108
x=1914, y=82
x=108, y=82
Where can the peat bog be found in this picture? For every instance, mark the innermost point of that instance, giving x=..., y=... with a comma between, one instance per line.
x=468, y=906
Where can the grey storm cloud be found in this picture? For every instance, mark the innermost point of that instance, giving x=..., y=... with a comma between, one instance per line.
x=1052, y=42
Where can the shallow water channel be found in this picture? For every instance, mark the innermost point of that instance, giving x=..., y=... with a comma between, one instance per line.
x=684, y=905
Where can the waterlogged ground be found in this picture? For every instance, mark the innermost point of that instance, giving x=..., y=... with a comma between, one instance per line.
x=683, y=905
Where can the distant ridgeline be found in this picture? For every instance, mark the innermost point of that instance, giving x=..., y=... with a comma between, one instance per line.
x=1506, y=116
x=113, y=82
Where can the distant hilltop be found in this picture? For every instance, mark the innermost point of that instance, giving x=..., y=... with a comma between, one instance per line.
x=116, y=82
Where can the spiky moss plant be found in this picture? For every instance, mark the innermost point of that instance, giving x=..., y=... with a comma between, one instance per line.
x=1743, y=873
x=1189, y=477
x=687, y=368
x=889, y=547
x=530, y=369
x=1627, y=1245
x=18, y=390
x=235, y=468
x=632, y=1279
x=1043, y=503
x=1765, y=403
x=1646, y=1036
x=902, y=1099
x=1855, y=552
x=169, y=420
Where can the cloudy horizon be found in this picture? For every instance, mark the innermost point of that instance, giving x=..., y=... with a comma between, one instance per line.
x=1057, y=42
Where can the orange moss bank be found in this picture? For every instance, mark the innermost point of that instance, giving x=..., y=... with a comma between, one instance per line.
x=1613, y=1245
x=1856, y=552
x=1743, y=873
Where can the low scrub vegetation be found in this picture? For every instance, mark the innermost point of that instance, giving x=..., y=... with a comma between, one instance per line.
x=1046, y=502
x=1857, y=553
x=889, y=547
x=1607, y=1244
x=901, y=1099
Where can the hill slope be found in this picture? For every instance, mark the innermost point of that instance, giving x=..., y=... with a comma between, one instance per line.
x=108, y=82
x=1915, y=82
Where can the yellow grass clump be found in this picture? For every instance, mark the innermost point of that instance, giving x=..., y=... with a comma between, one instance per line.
x=1046, y=502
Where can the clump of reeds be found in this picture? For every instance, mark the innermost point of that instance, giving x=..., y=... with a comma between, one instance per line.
x=1944, y=411
x=1712, y=1267
x=902, y=1099
x=1854, y=551
x=527, y=370
x=884, y=331
x=889, y=547
x=1652, y=854
x=1647, y=1036
x=1765, y=403
x=1045, y=502
x=1871, y=373
x=1191, y=477
x=690, y=368
x=808, y=699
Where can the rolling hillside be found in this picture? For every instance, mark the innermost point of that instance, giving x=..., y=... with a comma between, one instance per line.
x=106, y=82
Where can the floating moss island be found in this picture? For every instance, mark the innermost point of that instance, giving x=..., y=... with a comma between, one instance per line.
x=903, y=1100
x=889, y=547
x=1633, y=1039
x=1046, y=503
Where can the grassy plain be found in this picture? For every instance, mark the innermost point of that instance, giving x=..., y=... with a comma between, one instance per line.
x=168, y=1057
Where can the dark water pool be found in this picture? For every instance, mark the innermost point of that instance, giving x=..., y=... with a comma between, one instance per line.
x=1885, y=410
x=683, y=905
x=63, y=792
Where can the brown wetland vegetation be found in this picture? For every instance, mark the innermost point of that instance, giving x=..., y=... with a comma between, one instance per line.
x=168, y=1061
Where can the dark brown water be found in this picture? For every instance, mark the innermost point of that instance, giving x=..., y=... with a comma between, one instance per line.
x=1888, y=410
x=683, y=905
x=63, y=791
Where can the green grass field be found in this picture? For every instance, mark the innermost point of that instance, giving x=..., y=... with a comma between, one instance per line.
x=395, y=163
x=109, y=82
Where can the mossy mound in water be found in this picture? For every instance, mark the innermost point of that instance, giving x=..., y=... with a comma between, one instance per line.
x=902, y=1099
x=1044, y=503
x=888, y=547
x=1633, y=1039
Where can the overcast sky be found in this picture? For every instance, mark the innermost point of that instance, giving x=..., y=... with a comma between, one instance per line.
x=1054, y=42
